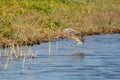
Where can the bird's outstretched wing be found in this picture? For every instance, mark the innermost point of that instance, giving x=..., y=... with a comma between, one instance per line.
x=70, y=31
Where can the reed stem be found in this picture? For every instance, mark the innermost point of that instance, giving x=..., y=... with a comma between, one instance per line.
x=49, y=46
x=24, y=59
x=6, y=64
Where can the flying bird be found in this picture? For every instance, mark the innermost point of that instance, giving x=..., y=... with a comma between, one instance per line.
x=74, y=35
x=70, y=31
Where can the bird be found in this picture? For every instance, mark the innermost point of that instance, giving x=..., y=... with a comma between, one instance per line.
x=74, y=35
x=79, y=40
x=70, y=31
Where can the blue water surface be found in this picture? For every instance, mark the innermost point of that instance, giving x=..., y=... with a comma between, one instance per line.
x=97, y=59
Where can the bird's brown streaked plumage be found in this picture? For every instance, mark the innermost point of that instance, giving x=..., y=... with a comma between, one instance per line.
x=78, y=40
x=74, y=35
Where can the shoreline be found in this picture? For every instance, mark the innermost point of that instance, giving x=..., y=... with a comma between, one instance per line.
x=7, y=42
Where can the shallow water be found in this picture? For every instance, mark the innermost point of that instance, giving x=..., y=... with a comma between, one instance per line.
x=97, y=59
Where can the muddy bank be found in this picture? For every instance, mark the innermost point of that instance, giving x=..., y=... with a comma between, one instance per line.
x=6, y=42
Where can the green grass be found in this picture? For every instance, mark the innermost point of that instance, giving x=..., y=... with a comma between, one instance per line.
x=27, y=19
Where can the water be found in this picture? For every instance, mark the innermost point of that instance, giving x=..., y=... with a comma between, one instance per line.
x=97, y=59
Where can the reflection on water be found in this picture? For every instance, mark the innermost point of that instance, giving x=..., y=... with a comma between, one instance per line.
x=79, y=56
x=97, y=59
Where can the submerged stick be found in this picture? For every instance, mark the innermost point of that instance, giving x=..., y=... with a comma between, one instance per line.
x=5, y=54
x=24, y=59
x=11, y=57
x=49, y=46
x=0, y=64
x=30, y=66
x=33, y=56
x=6, y=64
x=57, y=43
x=0, y=60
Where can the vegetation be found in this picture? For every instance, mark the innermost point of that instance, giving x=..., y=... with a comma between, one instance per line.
x=29, y=20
